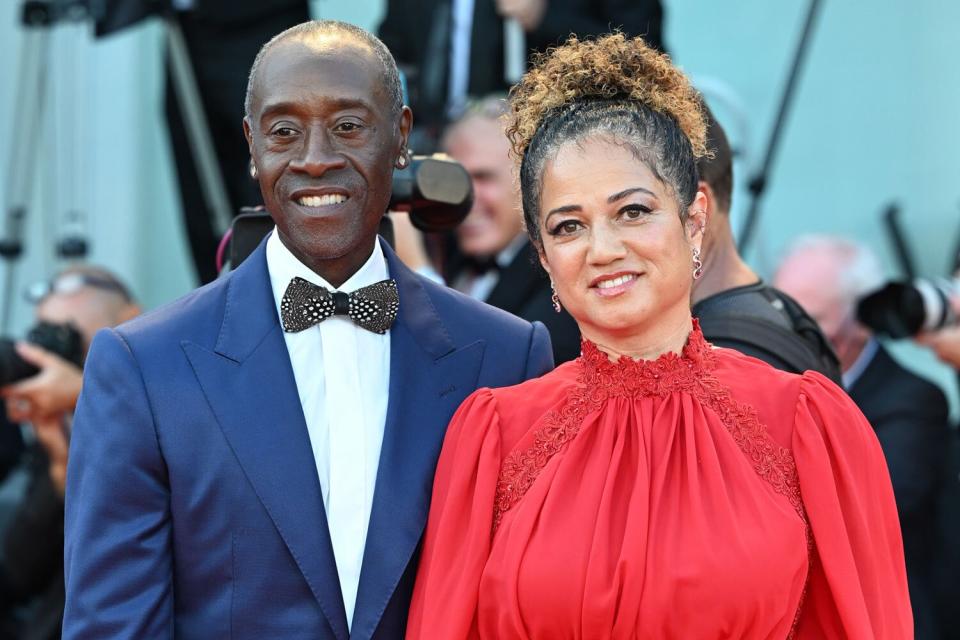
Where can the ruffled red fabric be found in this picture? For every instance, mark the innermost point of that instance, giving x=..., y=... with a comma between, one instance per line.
x=700, y=495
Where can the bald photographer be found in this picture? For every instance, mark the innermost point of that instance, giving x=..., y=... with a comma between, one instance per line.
x=41, y=379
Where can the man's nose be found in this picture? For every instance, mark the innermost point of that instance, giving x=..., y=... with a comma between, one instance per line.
x=606, y=245
x=318, y=154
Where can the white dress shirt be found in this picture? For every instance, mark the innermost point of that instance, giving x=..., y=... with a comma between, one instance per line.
x=343, y=378
x=860, y=365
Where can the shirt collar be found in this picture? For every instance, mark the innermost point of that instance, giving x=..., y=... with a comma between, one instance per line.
x=851, y=375
x=506, y=256
x=283, y=267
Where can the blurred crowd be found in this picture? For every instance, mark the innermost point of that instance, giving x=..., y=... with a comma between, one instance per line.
x=456, y=59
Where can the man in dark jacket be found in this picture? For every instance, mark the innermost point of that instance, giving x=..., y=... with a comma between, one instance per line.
x=827, y=275
x=451, y=50
x=735, y=307
x=494, y=260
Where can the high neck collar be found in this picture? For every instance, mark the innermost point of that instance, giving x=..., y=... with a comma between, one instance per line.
x=668, y=372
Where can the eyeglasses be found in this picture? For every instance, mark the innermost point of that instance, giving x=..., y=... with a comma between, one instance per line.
x=70, y=283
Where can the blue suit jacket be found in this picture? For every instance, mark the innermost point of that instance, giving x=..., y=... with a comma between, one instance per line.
x=193, y=504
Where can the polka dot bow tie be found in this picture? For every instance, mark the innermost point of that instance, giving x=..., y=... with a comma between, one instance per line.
x=305, y=304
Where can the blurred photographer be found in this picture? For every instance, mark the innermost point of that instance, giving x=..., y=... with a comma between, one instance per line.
x=70, y=309
x=945, y=342
x=493, y=259
x=828, y=276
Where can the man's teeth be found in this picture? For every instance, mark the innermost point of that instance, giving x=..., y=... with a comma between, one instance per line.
x=324, y=200
x=616, y=282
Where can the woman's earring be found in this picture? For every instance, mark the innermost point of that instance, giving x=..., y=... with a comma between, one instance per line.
x=253, y=169
x=555, y=299
x=404, y=159
x=697, y=264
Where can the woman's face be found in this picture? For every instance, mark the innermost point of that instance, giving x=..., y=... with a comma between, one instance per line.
x=613, y=242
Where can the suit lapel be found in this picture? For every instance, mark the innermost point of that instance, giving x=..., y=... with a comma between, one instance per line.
x=249, y=383
x=429, y=378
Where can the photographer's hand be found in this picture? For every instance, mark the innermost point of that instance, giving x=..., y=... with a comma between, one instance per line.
x=945, y=343
x=50, y=393
x=52, y=436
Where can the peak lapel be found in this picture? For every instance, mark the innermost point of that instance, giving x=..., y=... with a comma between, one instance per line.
x=429, y=378
x=249, y=383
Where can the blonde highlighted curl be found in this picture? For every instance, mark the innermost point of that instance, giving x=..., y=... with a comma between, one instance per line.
x=610, y=67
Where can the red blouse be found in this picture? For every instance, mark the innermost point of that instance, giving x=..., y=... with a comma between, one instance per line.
x=705, y=495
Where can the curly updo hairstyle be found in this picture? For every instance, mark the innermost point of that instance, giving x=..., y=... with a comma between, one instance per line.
x=616, y=87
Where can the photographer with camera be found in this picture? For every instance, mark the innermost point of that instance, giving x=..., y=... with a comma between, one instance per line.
x=828, y=276
x=41, y=380
x=945, y=341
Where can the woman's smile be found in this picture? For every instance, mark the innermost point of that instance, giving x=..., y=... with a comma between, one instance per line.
x=615, y=284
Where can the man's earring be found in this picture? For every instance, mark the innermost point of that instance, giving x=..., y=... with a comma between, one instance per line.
x=697, y=264
x=555, y=299
x=253, y=169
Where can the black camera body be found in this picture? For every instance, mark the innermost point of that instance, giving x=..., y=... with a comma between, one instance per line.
x=904, y=309
x=62, y=339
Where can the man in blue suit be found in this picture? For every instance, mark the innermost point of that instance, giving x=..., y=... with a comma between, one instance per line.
x=256, y=459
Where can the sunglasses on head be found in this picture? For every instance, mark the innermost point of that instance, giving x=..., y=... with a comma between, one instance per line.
x=70, y=283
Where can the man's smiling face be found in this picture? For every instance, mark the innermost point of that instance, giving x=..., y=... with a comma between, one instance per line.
x=324, y=138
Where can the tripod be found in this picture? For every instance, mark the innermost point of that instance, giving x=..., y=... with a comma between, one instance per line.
x=37, y=17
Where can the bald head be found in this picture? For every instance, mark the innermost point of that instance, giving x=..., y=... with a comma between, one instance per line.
x=827, y=275
x=334, y=36
x=100, y=300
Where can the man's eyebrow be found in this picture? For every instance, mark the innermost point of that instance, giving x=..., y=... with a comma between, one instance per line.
x=293, y=106
x=620, y=195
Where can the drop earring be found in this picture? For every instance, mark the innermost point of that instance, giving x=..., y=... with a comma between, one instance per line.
x=253, y=169
x=554, y=298
x=697, y=264
x=404, y=160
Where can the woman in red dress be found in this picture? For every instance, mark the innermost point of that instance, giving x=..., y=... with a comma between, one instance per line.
x=656, y=487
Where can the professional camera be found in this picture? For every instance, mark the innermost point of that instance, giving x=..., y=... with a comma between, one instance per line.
x=904, y=309
x=61, y=339
x=436, y=191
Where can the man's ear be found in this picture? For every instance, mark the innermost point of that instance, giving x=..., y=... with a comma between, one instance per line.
x=406, y=125
x=248, y=134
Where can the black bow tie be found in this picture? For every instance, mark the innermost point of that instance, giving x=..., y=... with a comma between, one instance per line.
x=481, y=266
x=305, y=304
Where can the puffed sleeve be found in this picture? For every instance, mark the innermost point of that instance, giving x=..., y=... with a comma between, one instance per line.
x=457, y=542
x=857, y=583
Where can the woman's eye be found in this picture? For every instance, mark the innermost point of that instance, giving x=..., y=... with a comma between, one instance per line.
x=633, y=212
x=348, y=127
x=565, y=227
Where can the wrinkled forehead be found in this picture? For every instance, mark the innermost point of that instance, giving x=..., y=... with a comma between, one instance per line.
x=301, y=69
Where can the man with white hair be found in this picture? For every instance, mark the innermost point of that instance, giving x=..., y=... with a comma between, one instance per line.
x=827, y=275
